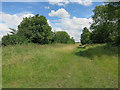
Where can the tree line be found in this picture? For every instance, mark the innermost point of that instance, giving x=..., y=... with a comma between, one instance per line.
x=105, y=27
x=36, y=30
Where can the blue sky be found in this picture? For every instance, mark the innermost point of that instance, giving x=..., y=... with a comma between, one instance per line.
x=74, y=9
x=61, y=16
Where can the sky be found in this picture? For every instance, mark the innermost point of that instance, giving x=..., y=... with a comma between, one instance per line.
x=67, y=16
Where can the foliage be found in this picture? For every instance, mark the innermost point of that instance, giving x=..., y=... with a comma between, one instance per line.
x=106, y=25
x=36, y=29
x=114, y=15
x=13, y=39
x=71, y=41
x=62, y=37
x=32, y=29
x=85, y=36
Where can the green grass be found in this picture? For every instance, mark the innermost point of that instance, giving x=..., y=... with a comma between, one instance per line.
x=60, y=66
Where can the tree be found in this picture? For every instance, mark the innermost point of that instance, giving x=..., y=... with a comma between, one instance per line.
x=114, y=16
x=62, y=37
x=71, y=41
x=105, y=27
x=36, y=29
x=85, y=36
x=32, y=29
x=13, y=39
x=100, y=31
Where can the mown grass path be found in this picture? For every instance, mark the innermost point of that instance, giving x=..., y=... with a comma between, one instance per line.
x=60, y=66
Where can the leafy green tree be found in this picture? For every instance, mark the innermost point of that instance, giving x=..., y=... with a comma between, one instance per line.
x=71, y=41
x=85, y=36
x=114, y=16
x=105, y=27
x=100, y=29
x=13, y=39
x=32, y=29
x=36, y=29
x=62, y=37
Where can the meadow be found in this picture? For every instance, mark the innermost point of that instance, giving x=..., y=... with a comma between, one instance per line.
x=60, y=66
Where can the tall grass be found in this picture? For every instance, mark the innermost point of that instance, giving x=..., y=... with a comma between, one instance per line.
x=55, y=66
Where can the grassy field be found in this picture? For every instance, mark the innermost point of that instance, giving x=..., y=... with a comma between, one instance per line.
x=60, y=66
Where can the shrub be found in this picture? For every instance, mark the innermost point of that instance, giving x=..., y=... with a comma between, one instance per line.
x=63, y=37
x=13, y=39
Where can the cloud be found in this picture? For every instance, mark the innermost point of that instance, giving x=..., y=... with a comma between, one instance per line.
x=11, y=21
x=61, y=13
x=48, y=21
x=58, y=2
x=64, y=2
x=50, y=24
x=3, y=30
x=47, y=7
x=73, y=26
x=82, y=2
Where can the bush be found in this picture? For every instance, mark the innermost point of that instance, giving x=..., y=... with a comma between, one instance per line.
x=13, y=39
x=63, y=37
x=71, y=41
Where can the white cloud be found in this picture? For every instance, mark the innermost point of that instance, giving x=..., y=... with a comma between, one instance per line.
x=11, y=21
x=73, y=26
x=50, y=24
x=47, y=7
x=3, y=30
x=58, y=2
x=61, y=13
x=82, y=2
x=64, y=2
x=26, y=15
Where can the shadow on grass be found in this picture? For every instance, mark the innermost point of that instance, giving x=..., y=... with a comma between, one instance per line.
x=97, y=51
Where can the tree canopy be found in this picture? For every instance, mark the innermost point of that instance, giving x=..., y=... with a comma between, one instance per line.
x=106, y=24
x=32, y=29
x=62, y=37
x=85, y=36
x=35, y=30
